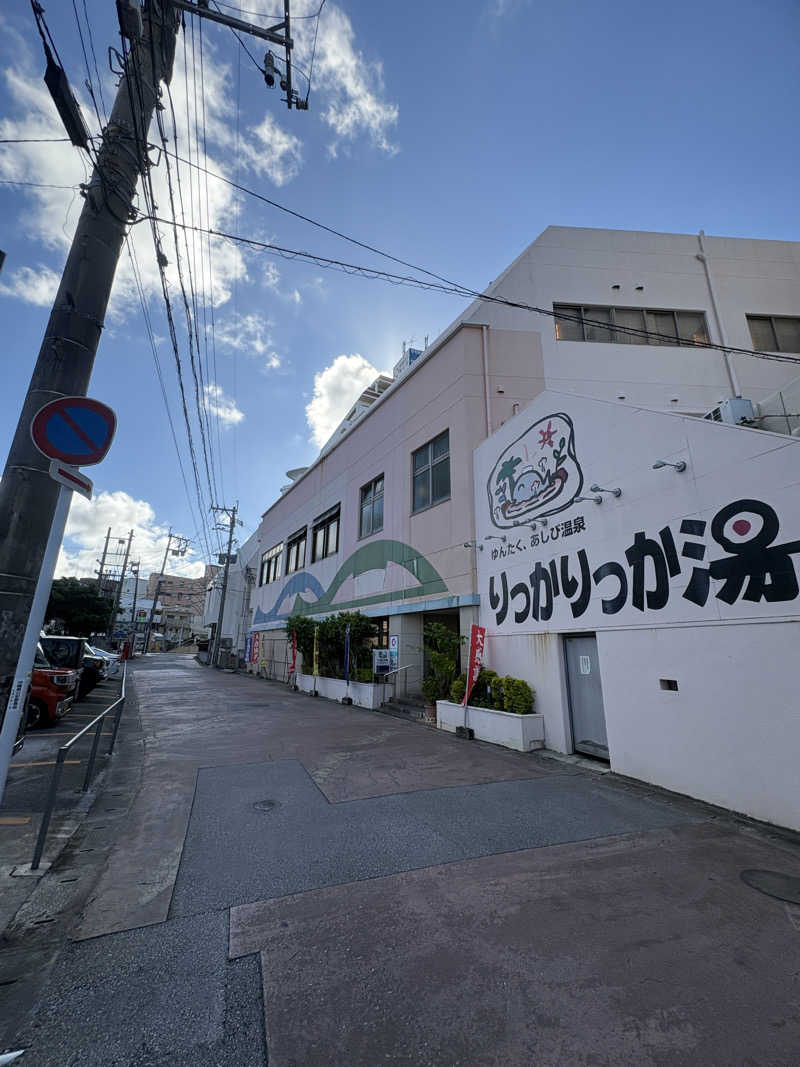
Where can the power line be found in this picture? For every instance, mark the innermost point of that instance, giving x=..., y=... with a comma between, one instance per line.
x=38, y=185
x=33, y=140
x=464, y=291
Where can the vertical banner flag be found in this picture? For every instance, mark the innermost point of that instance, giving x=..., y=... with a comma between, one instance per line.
x=248, y=648
x=293, y=664
x=476, y=642
x=254, y=651
x=347, y=654
x=316, y=651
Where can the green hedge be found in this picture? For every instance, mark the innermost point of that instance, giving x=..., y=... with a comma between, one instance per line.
x=492, y=691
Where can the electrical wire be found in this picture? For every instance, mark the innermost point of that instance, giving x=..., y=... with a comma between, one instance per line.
x=33, y=140
x=38, y=185
x=314, y=51
x=464, y=291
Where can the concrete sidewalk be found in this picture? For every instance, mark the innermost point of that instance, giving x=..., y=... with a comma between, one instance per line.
x=270, y=875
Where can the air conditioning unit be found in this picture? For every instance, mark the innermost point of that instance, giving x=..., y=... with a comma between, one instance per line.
x=733, y=411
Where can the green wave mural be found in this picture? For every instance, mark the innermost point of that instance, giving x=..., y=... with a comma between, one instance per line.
x=375, y=557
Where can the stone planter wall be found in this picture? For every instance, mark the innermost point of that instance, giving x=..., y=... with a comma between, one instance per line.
x=364, y=694
x=521, y=732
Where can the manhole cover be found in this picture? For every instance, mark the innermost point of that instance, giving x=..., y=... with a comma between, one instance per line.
x=774, y=884
x=265, y=805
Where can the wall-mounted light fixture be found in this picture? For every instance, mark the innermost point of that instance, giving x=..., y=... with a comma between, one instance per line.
x=680, y=466
x=597, y=499
x=494, y=537
x=600, y=489
x=473, y=544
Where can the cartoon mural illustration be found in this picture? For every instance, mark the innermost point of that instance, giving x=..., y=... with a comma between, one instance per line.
x=537, y=475
x=375, y=556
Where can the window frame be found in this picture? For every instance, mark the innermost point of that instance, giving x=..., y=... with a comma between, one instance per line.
x=429, y=469
x=370, y=485
x=772, y=319
x=270, y=569
x=324, y=522
x=580, y=310
x=300, y=537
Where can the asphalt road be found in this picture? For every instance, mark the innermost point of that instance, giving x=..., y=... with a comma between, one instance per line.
x=267, y=877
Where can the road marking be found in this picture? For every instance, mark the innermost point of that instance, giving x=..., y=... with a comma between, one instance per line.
x=14, y=820
x=45, y=763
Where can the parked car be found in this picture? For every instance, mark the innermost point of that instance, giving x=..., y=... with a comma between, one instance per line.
x=53, y=690
x=94, y=669
x=110, y=659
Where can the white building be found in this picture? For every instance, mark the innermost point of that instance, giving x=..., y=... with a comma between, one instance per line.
x=384, y=520
x=647, y=589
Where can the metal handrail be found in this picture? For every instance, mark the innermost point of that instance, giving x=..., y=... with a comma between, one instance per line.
x=397, y=670
x=97, y=723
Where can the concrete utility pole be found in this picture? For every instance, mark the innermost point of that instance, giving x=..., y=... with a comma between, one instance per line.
x=135, y=573
x=27, y=493
x=102, y=562
x=112, y=622
x=183, y=544
x=232, y=520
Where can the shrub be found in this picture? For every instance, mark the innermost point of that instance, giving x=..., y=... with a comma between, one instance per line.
x=517, y=696
x=458, y=689
x=364, y=674
x=330, y=642
x=442, y=647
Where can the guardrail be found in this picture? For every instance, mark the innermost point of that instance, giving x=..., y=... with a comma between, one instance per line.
x=97, y=724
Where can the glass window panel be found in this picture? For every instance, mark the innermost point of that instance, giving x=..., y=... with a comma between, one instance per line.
x=366, y=493
x=301, y=552
x=566, y=330
x=632, y=318
x=441, y=481
x=378, y=486
x=319, y=543
x=366, y=520
x=421, y=458
x=377, y=513
x=692, y=326
x=662, y=322
x=441, y=445
x=333, y=537
x=762, y=333
x=597, y=333
x=788, y=331
x=421, y=491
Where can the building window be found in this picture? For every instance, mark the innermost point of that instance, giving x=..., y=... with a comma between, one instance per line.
x=430, y=470
x=325, y=535
x=608, y=325
x=775, y=333
x=296, y=552
x=371, y=507
x=271, y=565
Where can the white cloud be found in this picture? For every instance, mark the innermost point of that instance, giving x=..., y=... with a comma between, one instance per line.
x=335, y=389
x=219, y=404
x=353, y=86
x=86, y=532
x=34, y=286
x=272, y=151
x=249, y=334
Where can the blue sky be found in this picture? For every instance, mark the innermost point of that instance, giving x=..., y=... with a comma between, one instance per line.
x=449, y=134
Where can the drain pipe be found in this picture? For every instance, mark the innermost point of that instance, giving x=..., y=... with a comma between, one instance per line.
x=485, y=356
x=730, y=370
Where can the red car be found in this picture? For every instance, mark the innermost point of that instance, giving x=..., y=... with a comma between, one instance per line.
x=53, y=690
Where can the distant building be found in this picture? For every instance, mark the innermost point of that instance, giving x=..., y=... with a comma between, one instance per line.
x=175, y=591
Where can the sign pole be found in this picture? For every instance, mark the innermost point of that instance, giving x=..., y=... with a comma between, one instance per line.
x=22, y=676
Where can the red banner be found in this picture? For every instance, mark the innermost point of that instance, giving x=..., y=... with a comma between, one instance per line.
x=293, y=664
x=476, y=642
x=254, y=650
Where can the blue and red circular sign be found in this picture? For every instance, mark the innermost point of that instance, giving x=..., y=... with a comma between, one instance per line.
x=74, y=429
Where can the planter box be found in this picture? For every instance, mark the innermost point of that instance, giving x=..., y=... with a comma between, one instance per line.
x=521, y=732
x=363, y=694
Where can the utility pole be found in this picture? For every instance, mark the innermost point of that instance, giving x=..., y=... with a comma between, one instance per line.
x=232, y=521
x=135, y=573
x=28, y=495
x=112, y=623
x=102, y=562
x=183, y=544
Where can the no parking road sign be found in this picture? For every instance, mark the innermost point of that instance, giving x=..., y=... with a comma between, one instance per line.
x=74, y=429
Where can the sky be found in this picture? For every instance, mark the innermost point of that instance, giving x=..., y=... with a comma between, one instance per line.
x=449, y=135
